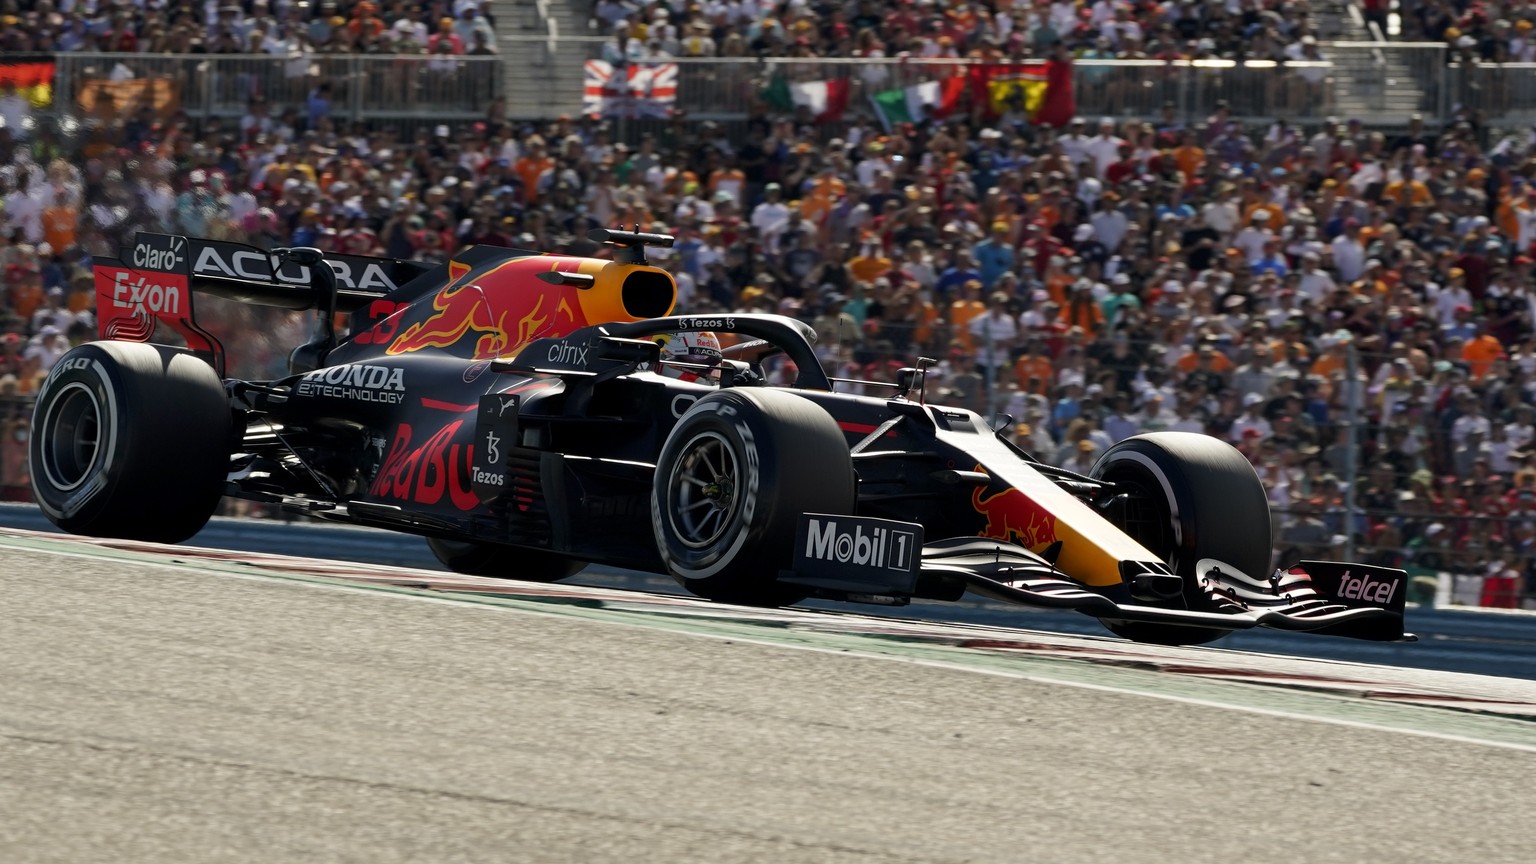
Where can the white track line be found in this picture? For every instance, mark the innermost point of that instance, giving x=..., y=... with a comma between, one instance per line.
x=332, y=583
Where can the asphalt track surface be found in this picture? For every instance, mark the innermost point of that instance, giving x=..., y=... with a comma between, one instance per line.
x=161, y=706
x=1453, y=639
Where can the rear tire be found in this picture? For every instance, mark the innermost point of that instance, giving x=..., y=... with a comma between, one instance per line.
x=736, y=474
x=1207, y=502
x=130, y=440
x=502, y=562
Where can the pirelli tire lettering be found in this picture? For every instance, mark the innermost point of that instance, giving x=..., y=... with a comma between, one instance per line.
x=733, y=464
x=733, y=478
x=130, y=440
x=76, y=440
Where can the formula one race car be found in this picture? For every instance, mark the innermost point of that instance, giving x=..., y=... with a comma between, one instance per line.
x=529, y=414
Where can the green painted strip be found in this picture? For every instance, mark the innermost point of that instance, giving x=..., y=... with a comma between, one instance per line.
x=1266, y=699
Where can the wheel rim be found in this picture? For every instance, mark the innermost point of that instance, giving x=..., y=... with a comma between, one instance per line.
x=71, y=434
x=701, y=491
x=1148, y=516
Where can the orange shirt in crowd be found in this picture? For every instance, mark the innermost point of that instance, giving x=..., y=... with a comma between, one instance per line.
x=26, y=297
x=1508, y=224
x=1409, y=193
x=732, y=180
x=823, y=194
x=1189, y=158
x=927, y=316
x=1191, y=360
x=1480, y=352
x=869, y=267
x=1035, y=366
x=530, y=169
x=960, y=314
x=1088, y=315
x=1056, y=284
x=59, y=226
x=1050, y=216
x=1328, y=364
x=1276, y=215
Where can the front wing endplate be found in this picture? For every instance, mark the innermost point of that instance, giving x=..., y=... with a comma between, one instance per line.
x=1331, y=598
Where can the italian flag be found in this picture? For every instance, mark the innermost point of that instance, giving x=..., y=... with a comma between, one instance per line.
x=825, y=100
x=932, y=100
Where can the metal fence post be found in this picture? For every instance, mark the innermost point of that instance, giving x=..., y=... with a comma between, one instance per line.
x=1351, y=468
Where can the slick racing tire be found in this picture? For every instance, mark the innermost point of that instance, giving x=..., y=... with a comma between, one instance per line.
x=130, y=440
x=502, y=562
x=1199, y=498
x=735, y=475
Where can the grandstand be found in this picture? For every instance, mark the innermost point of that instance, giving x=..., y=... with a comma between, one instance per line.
x=1285, y=226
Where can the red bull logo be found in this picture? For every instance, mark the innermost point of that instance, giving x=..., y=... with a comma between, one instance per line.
x=425, y=473
x=1012, y=516
x=457, y=311
x=501, y=320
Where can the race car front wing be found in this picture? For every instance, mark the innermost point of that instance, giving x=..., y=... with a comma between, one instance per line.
x=869, y=560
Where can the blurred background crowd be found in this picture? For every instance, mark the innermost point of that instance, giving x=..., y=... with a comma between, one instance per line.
x=929, y=29
x=1351, y=307
x=248, y=27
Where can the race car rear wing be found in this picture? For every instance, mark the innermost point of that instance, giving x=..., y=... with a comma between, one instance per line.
x=154, y=279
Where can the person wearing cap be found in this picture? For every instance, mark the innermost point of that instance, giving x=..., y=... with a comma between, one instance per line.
x=1452, y=295
x=870, y=263
x=1104, y=148
x=771, y=215
x=995, y=255
x=471, y=23
x=1348, y=252
x=47, y=347
x=1251, y=423
x=1110, y=223
x=993, y=335
x=1480, y=351
x=1253, y=238
x=11, y=361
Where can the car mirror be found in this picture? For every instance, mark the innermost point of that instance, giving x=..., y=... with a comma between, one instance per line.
x=628, y=351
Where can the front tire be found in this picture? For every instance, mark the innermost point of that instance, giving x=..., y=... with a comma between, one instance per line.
x=736, y=474
x=130, y=440
x=1204, y=500
x=502, y=562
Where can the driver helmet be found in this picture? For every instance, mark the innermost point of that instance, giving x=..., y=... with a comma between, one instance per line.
x=690, y=355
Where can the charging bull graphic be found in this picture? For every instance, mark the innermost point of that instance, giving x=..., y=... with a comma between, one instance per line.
x=1012, y=516
x=458, y=311
x=493, y=311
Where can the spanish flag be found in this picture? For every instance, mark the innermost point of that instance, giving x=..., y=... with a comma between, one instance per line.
x=1040, y=90
x=32, y=80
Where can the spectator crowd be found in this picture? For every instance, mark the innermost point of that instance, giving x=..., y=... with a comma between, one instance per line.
x=1266, y=284
x=280, y=27
x=1487, y=32
x=1102, y=29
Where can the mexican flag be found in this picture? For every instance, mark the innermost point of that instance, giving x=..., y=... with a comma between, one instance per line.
x=34, y=81
x=931, y=100
x=825, y=100
x=1040, y=90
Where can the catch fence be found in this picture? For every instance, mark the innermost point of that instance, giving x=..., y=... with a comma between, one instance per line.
x=353, y=87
